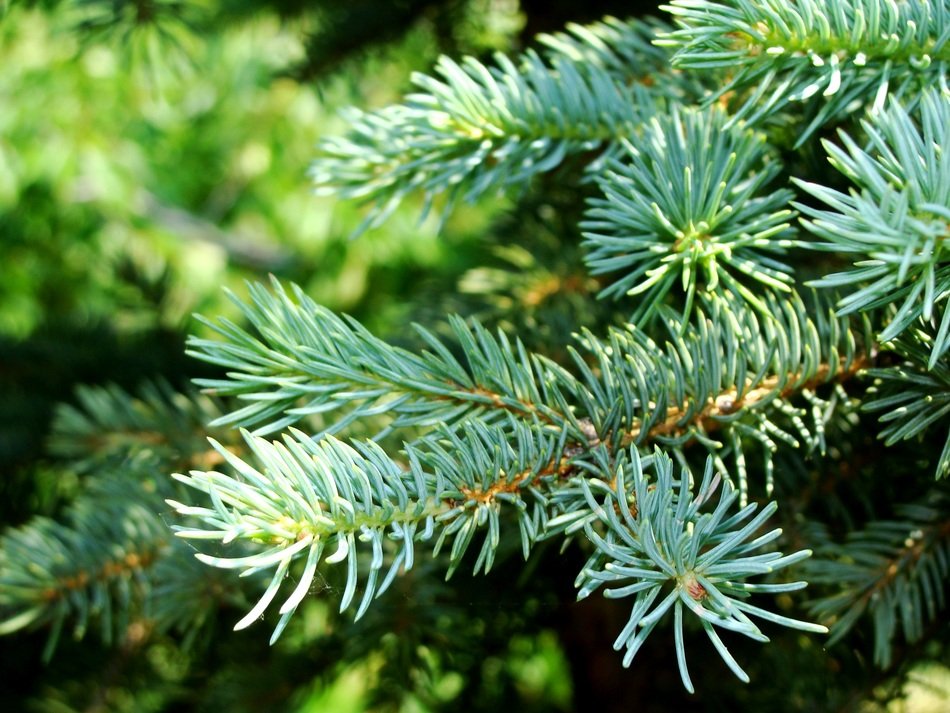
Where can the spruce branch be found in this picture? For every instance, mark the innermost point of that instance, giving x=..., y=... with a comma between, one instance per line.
x=474, y=129
x=652, y=538
x=623, y=47
x=109, y=425
x=686, y=207
x=897, y=220
x=311, y=497
x=111, y=561
x=893, y=570
x=853, y=53
x=911, y=397
x=309, y=361
x=725, y=384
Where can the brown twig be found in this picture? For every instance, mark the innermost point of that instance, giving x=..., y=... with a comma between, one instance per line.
x=708, y=418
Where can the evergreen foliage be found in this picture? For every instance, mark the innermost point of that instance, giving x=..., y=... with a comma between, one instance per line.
x=898, y=221
x=699, y=452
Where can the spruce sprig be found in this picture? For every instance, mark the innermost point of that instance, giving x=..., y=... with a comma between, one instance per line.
x=308, y=498
x=658, y=540
x=910, y=397
x=304, y=361
x=736, y=382
x=895, y=570
x=110, y=425
x=837, y=54
x=699, y=387
x=474, y=129
x=110, y=562
x=687, y=206
x=896, y=221
x=623, y=47
x=311, y=497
